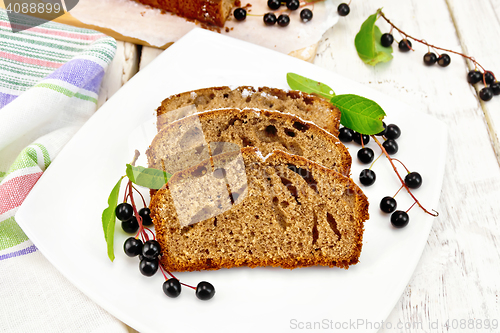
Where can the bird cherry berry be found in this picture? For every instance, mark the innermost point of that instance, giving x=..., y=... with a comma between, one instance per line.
x=430, y=58
x=387, y=39
x=145, y=213
x=172, y=288
x=205, y=290
x=413, y=180
x=346, y=134
x=388, y=204
x=390, y=146
x=486, y=94
x=444, y=60
x=306, y=15
x=124, y=211
x=240, y=14
x=474, y=77
x=489, y=77
x=404, y=45
x=392, y=132
x=400, y=219
x=283, y=20
x=269, y=19
x=293, y=4
x=151, y=249
x=148, y=267
x=366, y=155
x=367, y=177
x=357, y=138
x=131, y=225
x=274, y=4
x=495, y=88
x=343, y=9
x=132, y=247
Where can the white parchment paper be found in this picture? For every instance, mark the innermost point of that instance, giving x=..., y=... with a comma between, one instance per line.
x=133, y=19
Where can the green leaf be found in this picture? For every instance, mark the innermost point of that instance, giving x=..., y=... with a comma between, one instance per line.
x=368, y=45
x=109, y=217
x=298, y=82
x=359, y=114
x=147, y=177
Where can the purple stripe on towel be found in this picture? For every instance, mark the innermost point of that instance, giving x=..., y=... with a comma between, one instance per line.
x=19, y=253
x=80, y=73
x=6, y=99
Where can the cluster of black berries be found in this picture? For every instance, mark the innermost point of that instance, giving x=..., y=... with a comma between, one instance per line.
x=125, y=213
x=404, y=45
x=488, y=78
x=282, y=20
x=367, y=177
x=365, y=155
x=149, y=252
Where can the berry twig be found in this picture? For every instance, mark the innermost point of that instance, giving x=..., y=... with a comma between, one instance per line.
x=401, y=179
x=422, y=41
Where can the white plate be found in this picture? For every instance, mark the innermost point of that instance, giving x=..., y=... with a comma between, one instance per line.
x=62, y=214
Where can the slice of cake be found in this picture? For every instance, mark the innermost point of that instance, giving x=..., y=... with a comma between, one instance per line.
x=213, y=12
x=239, y=209
x=306, y=106
x=195, y=138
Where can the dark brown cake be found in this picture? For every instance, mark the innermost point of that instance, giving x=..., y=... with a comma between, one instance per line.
x=213, y=12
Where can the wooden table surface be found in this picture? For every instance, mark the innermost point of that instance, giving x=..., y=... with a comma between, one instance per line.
x=458, y=276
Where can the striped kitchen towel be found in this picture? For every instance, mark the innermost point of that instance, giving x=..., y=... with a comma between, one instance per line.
x=49, y=81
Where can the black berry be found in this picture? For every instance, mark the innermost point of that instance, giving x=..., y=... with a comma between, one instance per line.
x=388, y=204
x=172, y=288
x=413, y=180
x=130, y=226
x=399, y=219
x=357, y=138
x=205, y=291
x=486, y=94
x=474, y=77
x=151, y=249
x=283, y=20
x=274, y=4
x=148, y=267
x=366, y=155
x=495, y=88
x=404, y=45
x=132, y=247
x=293, y=4
x=444, y=60
x=270, y=19
x=489, y=77
x=390, y=146
x=124, y=211
x=387, y=39
x=146, y=217
x=384, y=131
x=430, y=58
x=346, y=134
x=240, y=14
x=343, y=9
x=367, y=177
x=392, y=132
x=306, y=15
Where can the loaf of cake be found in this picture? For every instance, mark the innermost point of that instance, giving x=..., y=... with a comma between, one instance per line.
x=241, y=209
x=306, y=106
x=195, y=138
x=213, y=12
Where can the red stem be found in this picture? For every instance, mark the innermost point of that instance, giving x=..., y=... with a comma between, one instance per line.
x=401, y=179
x=425, y=43
x=395, y=159
x=139, y=218
x=143, y=201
